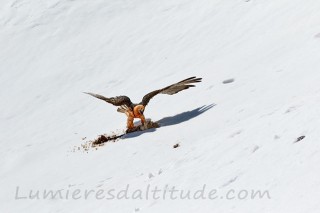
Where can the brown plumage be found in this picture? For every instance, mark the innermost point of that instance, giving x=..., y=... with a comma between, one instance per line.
x=137, y=110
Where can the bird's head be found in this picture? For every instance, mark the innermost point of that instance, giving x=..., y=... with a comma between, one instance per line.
x=139, y=109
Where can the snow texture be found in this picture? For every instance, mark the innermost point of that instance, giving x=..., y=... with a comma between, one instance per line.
x=252, y=124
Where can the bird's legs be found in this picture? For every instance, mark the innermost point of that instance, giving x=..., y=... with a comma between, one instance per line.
x=130, y=124
x=130, y=119
x=131, y=116
x=143, y=122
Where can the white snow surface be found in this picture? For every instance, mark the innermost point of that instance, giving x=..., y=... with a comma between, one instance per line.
x=260, y=64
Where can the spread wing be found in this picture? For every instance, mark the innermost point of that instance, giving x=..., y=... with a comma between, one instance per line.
x=116, y=101
x=172, y=89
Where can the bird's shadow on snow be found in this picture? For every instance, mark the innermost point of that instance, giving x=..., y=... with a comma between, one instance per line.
x=174, y=120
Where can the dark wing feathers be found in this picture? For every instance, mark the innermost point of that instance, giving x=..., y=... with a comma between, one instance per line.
x=169, y=90
x=116, y=101
x=172, y=89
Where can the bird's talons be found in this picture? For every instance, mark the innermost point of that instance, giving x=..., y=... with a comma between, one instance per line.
x=144, y=126
x=132, y=129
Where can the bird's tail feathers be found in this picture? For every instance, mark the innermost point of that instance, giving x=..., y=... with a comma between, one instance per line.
x=123, y=109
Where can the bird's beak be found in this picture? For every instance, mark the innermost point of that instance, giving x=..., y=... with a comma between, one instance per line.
x=141, y=112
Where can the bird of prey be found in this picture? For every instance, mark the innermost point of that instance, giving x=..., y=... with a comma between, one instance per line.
x=133, y=110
